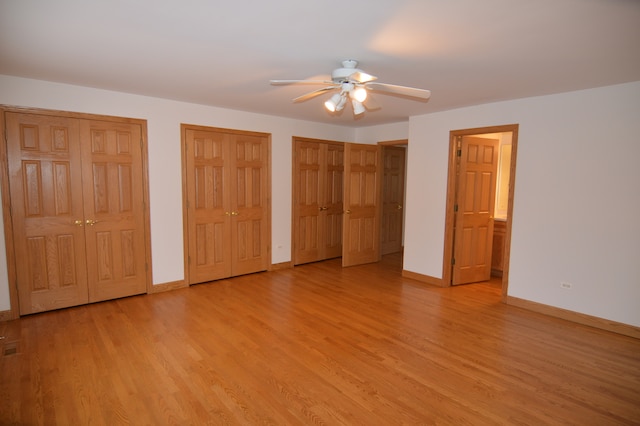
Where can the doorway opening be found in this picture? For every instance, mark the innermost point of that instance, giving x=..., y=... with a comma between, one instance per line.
x=477, y=199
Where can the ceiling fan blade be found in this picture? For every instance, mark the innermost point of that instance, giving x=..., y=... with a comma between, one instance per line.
x=399, y=90
x=370, y=104
x=362, y=77
x=283, y=82
x=313, y=94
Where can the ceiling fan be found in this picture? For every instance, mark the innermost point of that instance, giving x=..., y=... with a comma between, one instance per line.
x=353, y=84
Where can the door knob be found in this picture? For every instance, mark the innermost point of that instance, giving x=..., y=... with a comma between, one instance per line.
x=399, y=207
x=235, y=214
x=348, y=212
x=77, y=222
x=91, y=222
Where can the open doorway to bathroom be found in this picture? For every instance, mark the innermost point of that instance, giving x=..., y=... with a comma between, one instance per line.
x=480, y=204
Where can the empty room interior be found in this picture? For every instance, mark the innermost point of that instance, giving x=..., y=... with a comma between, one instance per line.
x=373, y=212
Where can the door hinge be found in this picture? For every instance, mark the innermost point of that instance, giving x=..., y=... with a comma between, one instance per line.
x=188, y=259
x=453, y=260
x=459, y=153
x=455, y=208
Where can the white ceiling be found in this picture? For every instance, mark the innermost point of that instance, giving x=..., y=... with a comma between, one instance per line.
x=467, y=52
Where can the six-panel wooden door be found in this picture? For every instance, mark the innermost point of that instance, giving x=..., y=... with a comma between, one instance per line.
x=207, y=171
x=394, y=159
x=113, y=208
x=250, y=236
x=361, y=220
x=226, y=203
x=475, y=201
x=318, y=200
x=76, y=190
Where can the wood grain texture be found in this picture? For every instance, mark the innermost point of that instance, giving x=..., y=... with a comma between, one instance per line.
x=318, y=171
x=478, y=165
x=362, y=204
x=226, y=176
x=393, y=176
x=316, y=344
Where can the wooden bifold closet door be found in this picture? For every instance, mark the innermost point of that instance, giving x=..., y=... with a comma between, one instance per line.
x=77, y=209
x=336, y=201
x=227, y=227
x=318, y=200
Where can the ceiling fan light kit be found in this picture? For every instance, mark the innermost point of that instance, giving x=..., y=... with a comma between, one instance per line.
x=335, y=103
x=358, y=107
x=354, y=84
x=359, y=94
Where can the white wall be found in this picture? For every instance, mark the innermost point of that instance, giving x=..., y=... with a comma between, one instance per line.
x=577, y=198
x=386, y=132
x=165, y=181
x=576, y=204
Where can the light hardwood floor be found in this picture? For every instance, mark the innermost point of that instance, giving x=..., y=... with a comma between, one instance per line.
x=316, y=344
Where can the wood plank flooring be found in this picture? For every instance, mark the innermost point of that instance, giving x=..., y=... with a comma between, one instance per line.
x=315, y=345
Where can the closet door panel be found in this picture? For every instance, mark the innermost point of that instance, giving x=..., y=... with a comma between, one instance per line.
x=47, y=211
x=308, y=192
x=249, y=226
x=208, y=165
x=333, y=200
x=318, y=192
x=361, y=224
x=114, y=208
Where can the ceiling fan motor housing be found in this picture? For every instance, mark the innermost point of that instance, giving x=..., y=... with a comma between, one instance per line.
x=341, y=75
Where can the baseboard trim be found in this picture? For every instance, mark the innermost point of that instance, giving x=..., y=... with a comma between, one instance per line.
x=173, y=285
x=423, y=278
x=7, y=316
x=601, y=323
x=282, y=265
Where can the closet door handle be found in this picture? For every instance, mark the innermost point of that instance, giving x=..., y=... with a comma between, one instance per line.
x=78, y=222
x=91, y=222
x=235, y=214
